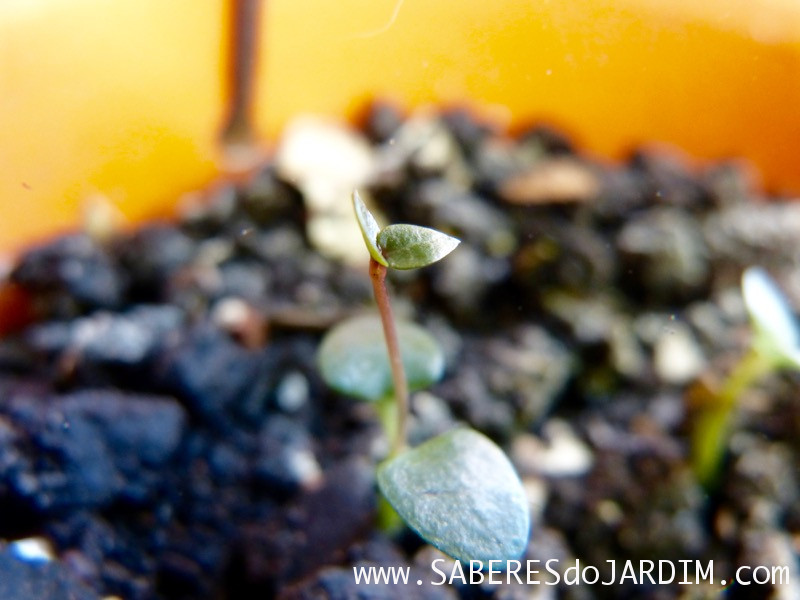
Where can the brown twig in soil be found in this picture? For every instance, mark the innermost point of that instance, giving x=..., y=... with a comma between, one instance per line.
x=244, y=38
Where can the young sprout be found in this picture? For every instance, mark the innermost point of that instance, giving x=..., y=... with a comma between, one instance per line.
x=775, y=345
x=458, y=490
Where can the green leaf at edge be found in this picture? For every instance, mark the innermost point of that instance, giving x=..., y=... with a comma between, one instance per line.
x=369, y=228
x=460, y=492
x=777, y=330
x=411, y=246
x=353, y=358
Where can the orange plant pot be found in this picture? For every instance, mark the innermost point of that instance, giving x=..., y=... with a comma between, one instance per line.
x=126, y=99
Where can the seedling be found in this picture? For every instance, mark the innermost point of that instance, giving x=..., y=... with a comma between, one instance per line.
x=775, y=346
x=458, y=490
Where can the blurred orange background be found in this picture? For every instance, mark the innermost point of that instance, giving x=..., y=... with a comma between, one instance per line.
x=125, y=100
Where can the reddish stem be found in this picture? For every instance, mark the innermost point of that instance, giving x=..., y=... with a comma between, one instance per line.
x=377, y=273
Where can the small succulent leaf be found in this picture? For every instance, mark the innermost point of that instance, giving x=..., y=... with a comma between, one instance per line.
x=354, y=361
x=412, y=246
x=777, y=329
x=460, y=492
x=369, y=228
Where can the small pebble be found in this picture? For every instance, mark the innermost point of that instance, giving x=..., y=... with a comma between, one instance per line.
x=677, y=357
x=286, y=458
x=32, y=550
x=241, y=320
x=555, y=180
x=292, y=393
x=563, y=454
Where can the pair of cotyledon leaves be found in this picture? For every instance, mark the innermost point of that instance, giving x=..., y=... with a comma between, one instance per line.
x=401, y=246
x=458, y=490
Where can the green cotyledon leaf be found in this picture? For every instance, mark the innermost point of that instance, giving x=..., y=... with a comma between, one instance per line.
x=353, y=358
x=777, y=328
x=411, y=246
x=369, y=228
x=460, y=492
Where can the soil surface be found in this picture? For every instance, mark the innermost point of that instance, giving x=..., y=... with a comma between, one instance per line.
x=165, y=433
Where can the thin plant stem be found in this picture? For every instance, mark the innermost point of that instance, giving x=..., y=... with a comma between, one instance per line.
x=713, y=425
x=751, y=366
x=377, y=273
x=386, y=408
x=388, y=520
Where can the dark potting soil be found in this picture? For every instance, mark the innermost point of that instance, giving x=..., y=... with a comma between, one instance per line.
x=164, y=428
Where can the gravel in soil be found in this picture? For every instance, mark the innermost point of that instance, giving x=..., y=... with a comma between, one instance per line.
x=163, y=424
